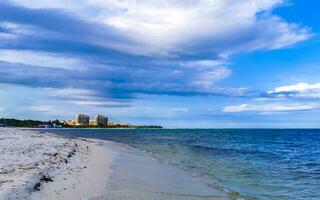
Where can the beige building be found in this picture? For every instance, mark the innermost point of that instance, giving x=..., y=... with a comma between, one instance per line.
x=82, y=120
x=71, y=122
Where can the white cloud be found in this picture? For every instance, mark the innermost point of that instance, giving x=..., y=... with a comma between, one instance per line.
x=300, y=87
x=217, y=26
x=83, y=97
x=98, y=103
x=207, y=72
x=165, y=25
x=272, y=107
x=15, y=31
x=73, y=93
x=41, y=59
x=300, y=90
x=6, y=36
x=202, y=63
x=208, y=78
x=16, y=28
x=44, y=108
x=51, y=103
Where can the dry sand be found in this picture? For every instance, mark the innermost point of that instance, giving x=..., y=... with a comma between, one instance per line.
x=88, y=177
x=36, y=165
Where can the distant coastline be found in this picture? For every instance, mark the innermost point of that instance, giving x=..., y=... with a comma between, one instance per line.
x=17, y=123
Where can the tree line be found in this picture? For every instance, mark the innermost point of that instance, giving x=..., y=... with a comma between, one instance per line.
x=27, y=123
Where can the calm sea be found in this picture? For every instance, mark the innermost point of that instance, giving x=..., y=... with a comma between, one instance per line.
x=249, y=163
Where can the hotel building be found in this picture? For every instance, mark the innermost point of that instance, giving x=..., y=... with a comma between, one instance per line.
x=101, y=120
x=82, y=120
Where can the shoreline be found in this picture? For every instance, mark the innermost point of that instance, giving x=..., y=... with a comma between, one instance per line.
x=101, y=169
x=147, y=178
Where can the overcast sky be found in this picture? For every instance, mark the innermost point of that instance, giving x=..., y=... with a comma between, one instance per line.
x=176, y=63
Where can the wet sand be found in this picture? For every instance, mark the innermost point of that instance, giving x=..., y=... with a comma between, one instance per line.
x=137, y=176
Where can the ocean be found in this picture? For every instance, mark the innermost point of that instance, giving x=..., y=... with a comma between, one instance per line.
x=279, y=164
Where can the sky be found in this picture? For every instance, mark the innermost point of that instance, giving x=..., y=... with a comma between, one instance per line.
x=177, y=63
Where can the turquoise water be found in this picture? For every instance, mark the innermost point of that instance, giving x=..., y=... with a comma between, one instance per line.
x=250, y=164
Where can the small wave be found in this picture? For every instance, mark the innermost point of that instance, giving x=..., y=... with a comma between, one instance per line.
x=312, y=164
x=226, y=151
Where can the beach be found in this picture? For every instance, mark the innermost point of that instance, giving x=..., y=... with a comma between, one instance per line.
x=38, y=165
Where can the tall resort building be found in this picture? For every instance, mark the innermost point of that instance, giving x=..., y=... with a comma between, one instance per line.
x=82, y=120
x=101, y=120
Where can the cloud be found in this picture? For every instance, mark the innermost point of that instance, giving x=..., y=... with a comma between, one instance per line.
x=52, y=103
x=117, y=80
x=41, y=59
x=109, y=52
x=101, y=103
x=15, y=29
x=44, y=108
x=272, y=108
x=180, y=27
x=85, y=97
x=207, y=72
x=208, y=78
x=70, y=96
x=33, y=30
x=299, y=90
x=300, y=87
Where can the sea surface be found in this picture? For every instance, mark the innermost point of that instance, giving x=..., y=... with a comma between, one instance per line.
x=279, y=164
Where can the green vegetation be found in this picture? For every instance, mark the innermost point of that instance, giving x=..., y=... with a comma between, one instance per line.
x=29, y=123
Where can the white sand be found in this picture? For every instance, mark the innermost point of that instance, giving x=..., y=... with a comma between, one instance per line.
x=88, y=177
x=79, y=168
